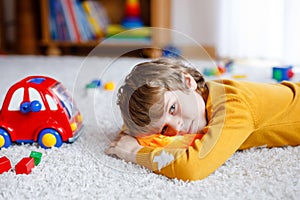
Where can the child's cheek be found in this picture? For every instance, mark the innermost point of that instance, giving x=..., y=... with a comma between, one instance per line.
x=191, y=106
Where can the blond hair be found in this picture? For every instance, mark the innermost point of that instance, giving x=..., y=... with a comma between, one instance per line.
x=146, y=85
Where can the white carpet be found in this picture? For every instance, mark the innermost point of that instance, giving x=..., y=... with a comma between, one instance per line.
x=82, y=171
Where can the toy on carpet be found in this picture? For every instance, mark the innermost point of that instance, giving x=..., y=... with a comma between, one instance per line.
x=39, y=109
x=222, y=67
x=37, y=156
x=24, y=166
x=212, y=71
x=228, y=65
x=282, y=73
x=171, y=51
x=94, y=84
x=110, y=85
x=239, y=76
x=5, y=164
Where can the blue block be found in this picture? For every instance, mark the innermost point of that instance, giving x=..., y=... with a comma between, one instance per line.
x=282, y=73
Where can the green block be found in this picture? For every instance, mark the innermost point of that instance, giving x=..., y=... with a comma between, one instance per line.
x=277, y=75
x=37, y=156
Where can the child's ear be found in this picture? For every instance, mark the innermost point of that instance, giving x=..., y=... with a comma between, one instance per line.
x=190, y=81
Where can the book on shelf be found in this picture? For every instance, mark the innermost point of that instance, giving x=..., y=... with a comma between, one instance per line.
x=58, y=27
x=72, y=26
x=91, y=17
x=76, y=20
x=87, y=20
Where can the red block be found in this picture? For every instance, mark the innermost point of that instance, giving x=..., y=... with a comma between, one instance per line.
x=25, y=166
x=5, y=165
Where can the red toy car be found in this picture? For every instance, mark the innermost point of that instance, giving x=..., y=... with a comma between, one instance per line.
x=39, y=109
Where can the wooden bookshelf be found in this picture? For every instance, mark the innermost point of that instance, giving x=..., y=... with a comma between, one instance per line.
x=154, y=13
x=2, y=36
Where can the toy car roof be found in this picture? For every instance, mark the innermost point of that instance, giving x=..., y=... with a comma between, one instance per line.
x=36, y=80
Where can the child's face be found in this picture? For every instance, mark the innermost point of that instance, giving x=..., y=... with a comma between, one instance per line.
x=184, y=113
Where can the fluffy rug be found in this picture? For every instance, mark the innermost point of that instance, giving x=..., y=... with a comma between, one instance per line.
x=81, y=170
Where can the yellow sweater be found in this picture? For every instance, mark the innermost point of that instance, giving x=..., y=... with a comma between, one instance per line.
x=240, y=115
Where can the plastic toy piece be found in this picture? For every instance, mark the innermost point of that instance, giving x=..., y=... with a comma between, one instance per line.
x=4, y=138
x=5, y=164
x=109, y=85
x=239, y=76
x=37, y=156
x=171, y=51
x=25, y=166
x=132, y=8
x=34, y=106
x=39, y=109
x=221, y=69
x=211, y=72
x=50, y=138
x=283, y=73
x=132, y=15
x=229, y=65
x=94, y=84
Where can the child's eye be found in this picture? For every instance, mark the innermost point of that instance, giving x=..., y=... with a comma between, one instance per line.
x=164, y=129
x=172, y=109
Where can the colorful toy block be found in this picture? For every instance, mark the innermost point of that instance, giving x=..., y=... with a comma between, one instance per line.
x=221, y=69
x=229, y=65
x=283, y=73
x=25, y=166
x=109, y=85
x=211, y=72
x=94, y=84
x=171, y=51
x=239, y=76
x=37, y=156
x=5, y=164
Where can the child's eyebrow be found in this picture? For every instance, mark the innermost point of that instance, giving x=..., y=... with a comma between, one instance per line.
x=167, y=105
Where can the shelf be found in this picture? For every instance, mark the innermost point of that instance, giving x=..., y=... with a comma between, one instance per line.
x=104, y=42
x=155, y=13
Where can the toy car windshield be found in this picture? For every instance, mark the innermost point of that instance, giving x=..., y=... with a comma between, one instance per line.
x=66, y=99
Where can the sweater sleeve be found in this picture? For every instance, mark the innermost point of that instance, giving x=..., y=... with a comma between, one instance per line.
x=230, y=125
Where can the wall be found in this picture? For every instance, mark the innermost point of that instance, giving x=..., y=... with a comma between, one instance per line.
x=196, y=19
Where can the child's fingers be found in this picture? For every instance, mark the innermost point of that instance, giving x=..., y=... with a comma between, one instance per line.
x=113, y=144
x=110, y=151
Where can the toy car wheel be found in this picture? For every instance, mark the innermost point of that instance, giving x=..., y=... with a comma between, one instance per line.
x=49, y=138
x=4, y=139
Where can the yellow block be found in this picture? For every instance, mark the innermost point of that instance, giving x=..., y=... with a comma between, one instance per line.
x=109, y=85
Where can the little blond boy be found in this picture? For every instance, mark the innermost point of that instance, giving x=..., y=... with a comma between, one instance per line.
x=180, y=126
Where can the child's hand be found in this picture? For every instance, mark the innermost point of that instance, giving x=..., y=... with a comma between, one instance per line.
x=125, y=147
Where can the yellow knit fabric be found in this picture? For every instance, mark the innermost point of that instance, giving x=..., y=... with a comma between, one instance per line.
x=240, y=115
